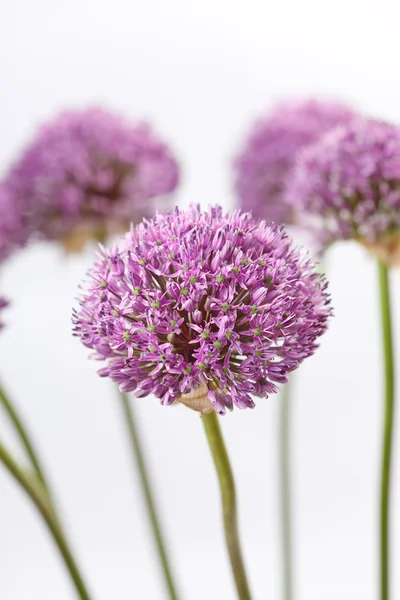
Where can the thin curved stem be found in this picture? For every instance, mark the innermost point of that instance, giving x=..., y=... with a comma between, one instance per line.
x=24, y=437
x=285, y=490
x=148, y=494
x=388, y=353
x=46, y=510
x=229, y=503
x=27, y=443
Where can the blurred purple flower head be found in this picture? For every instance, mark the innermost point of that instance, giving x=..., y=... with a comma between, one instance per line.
x=88, y=173
x=270, y=151
x=347, y=186
x=203, y=301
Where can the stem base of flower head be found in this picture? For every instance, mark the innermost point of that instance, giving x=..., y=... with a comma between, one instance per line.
x=387, y=249
x=76, y=239
x=197, y=400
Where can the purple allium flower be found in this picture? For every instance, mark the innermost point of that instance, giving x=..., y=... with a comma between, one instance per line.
x=270, y=152
x=202, y=300
x=347, y=186
x=89, y=173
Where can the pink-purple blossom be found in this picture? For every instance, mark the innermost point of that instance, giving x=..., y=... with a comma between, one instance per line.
x=93, y=173
x=347, y=185
x=203, y=299
x=270, y=151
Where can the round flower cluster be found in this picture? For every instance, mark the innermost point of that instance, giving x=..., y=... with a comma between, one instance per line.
x=270, y=153
x=89, y=173
x=203, y=300
x=347, y=186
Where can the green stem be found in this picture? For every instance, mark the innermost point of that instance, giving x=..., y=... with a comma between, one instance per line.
x=46, y=510
x=285, y=488
x=27, y=443
x=24, y=437
x=388, y=429
x=228, y=496
x=148, y=494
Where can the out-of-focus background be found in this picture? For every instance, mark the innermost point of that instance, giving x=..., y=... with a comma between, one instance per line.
x=201, y=72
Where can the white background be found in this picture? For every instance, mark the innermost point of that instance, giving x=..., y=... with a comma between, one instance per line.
x=201, y=71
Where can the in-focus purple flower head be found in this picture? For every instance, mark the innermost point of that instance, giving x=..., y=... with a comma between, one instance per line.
x=270, y=151
x=202, y=303
x=347, y=186
x=88, y=173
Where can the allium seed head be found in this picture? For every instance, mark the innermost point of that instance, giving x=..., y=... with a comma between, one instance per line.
x=203, y=321
x=270, y=152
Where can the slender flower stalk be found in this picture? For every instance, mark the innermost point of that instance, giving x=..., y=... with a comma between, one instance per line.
x=139, y=460
x=229, y=502
x=285, y=471
x=388, y=353
x=40, y=500
x=25, y=438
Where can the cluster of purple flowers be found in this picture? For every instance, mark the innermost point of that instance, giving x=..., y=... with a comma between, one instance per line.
x=203, y=299
x=270, y=151
x=89, y=173
x=347, y=186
